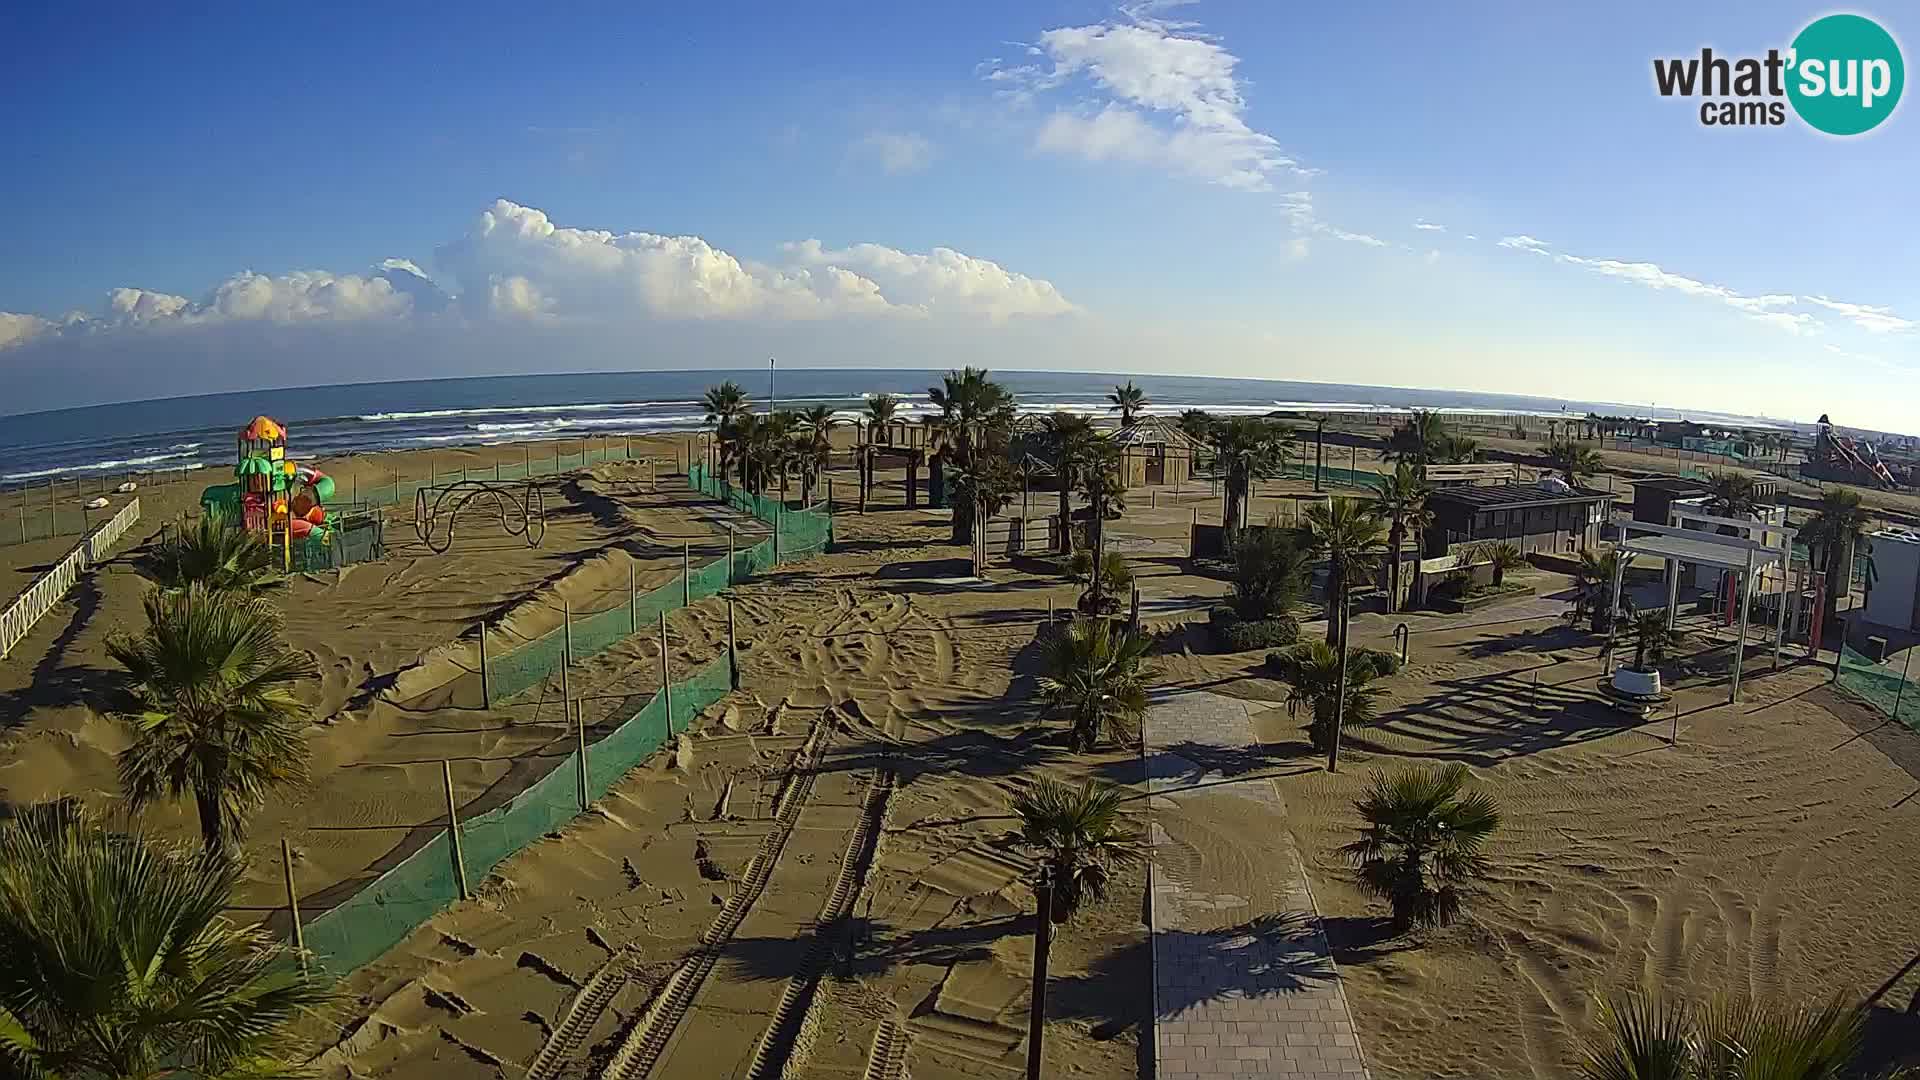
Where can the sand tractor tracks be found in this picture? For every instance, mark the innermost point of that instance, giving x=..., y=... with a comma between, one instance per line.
x=787, y=1032
x=641, y=1049
x=887, y=1060
x=582, y=1014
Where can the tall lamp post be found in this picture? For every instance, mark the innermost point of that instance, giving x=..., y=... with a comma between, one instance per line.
x=773, y=401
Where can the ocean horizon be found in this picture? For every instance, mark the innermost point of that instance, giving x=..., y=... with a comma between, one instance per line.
x=329, y=421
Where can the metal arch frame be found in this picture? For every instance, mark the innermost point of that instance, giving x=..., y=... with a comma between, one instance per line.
x=521, y=515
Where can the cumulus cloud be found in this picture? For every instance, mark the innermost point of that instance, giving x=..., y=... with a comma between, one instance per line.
x=1428, y=226
x=516, y=265
x=895, y=152
x=1160, y=93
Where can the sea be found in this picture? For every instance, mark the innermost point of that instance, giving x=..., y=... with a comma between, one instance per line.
x=330, y=421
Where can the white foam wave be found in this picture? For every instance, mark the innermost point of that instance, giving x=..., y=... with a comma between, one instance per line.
x=103, y=466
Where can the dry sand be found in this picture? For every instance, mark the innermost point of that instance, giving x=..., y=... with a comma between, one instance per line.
x=860, y=781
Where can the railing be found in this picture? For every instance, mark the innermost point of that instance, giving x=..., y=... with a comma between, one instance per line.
x=40, y=597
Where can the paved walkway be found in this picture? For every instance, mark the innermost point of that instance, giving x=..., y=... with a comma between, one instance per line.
x=1244, y=985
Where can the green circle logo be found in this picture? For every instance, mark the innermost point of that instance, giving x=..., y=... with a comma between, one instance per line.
x=1845, y=74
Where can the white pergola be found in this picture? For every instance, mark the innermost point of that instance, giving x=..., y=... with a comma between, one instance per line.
x=1741, y=554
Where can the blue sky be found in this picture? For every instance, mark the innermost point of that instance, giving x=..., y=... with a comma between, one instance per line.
x=1209, y=188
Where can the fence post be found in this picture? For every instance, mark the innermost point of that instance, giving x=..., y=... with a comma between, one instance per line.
x=453, y=831
x=580, y=746
x=666, y=678
x=566, y=634
x=526, y=460
x=733, y=650
x=829, y=494
x=633, y=599
x=776, y=534
x=1193, y=532
x=686, y=574
x=293, y=904
x=486, y=685
x=730, y=558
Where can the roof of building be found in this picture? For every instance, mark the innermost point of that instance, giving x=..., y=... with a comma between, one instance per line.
x=1515, y=495
x=1675, y=484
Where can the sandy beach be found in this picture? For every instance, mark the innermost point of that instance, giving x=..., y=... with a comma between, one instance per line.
x=860, y=780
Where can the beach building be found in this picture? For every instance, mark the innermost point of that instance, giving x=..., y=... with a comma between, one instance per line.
x=1154, y=452
x=1548, y=516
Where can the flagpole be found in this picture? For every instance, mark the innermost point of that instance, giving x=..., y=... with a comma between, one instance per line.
x=773, y=400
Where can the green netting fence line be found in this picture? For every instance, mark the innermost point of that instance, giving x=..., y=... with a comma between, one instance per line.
x=380, y=916
x=398, y=492
x=1330, y=475
x=1880, y=686
x=797, y=534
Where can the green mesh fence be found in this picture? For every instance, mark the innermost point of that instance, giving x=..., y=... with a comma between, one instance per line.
x=1330, y=475
x=1884, y=688
x=380, y=916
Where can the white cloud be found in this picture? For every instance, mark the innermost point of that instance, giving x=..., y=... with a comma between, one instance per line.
x=896, y=152
x=1428, y=226
x=943, y=280
x=1353, y=237
x=1874, y=320
x=516, y=265
x=1524, y=243
x=17, y=329
x=1161, y=94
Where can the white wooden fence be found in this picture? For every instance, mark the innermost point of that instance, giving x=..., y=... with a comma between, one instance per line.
x=39, y=598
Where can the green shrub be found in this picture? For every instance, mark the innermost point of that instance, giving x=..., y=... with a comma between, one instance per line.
x=1379, y=661
x=1231, y=633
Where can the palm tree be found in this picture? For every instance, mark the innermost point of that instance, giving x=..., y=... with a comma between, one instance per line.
x=1456, y=450
x=1593, y=590
x=1572, y=459
x=725, y=405
x=880, y=413
x=1505, y=557
x=213, y=711
x=1269, y=572
x=1645, y=1038
x=1835, y=528
x=1246, y=448
x=1349, y=533
x=116, y=960
x=217, y=553
x=1423, y=843
x=1653, y=639
x=1195, y=424
x=1095, y=674
x=1106, y=496
x=1417, y=440
x=1070, y=438
x=1081, y=837
x=1311, y=671
x=976, y=414
x=1128, y=400
x=1403, y=502
x=813, y=447
x=1733, y=494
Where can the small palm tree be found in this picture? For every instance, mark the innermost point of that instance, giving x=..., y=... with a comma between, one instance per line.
x=880, y=413
x=1128, y=400
x=1348, y=532
x=813, y=447
x=1505, y=557
x=1593, y=590
x=1417, y=440
x=1195, y=424
x=1106, y=495
x=1080, y=835
x=1096, y=675
x=213, y=711
x=1645, y=1038
x=1246, y=448
x=1835, y=528
x=1403, y=502
x=1070, y=439
x=116, y=960
x=217, y=553
x=1733, y=494
x=1573, y=460
x=1311, y=671
x=1653, y=639
x=976, y=414
x=725, y=405
x=1457, y=450
x=1423, y=844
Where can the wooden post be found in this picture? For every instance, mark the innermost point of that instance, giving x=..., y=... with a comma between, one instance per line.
x=829, y=494
x=580, y=747
x=486, y=684
x=566, y=635
x=1193, y=532
x=293, y=904
x=730, y=559
x=526, y=460
x=686, y=574
x=633, y=600
x=453, y=831
x=666, y=678
x=733, y=649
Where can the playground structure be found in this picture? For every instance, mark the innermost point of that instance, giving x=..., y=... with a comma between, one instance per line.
x=275, y=496
x=1837, y=457
x=520, y=505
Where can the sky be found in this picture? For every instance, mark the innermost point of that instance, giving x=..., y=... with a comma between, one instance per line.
x=1487, y=196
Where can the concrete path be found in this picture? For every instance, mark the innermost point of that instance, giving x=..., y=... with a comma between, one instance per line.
x=1244, y=985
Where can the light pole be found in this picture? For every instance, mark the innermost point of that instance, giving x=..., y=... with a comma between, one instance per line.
x=773, y=401
x=1042, y=944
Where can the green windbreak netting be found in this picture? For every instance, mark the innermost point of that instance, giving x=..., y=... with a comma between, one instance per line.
x=1885, y=688
x=381, y=915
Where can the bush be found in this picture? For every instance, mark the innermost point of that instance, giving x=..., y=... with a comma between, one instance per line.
x=1231, y=633
x=1363, y=665
x=1269, y=572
